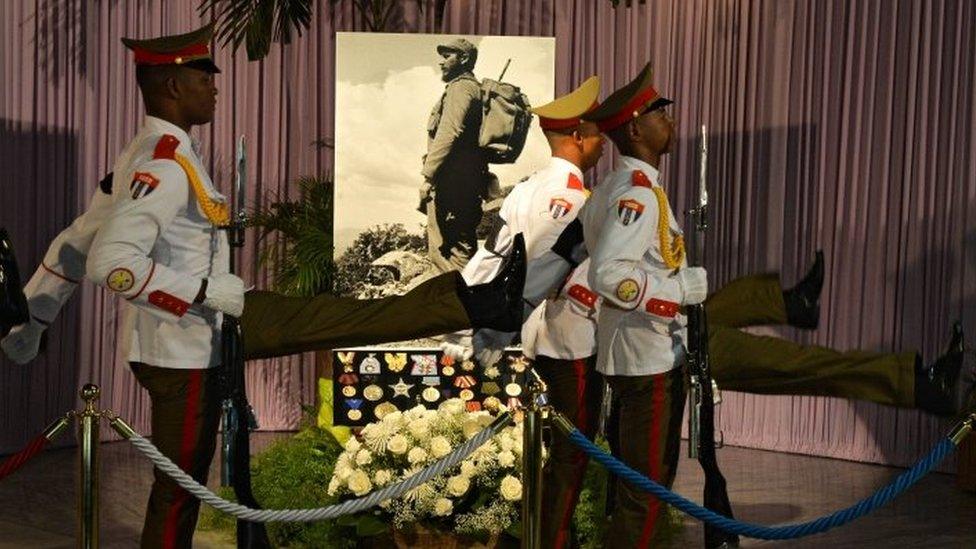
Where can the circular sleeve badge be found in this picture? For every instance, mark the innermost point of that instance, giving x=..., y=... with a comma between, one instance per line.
x=628, y=290
x=120, y=280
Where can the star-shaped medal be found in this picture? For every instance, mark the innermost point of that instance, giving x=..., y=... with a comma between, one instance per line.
x=401, y=389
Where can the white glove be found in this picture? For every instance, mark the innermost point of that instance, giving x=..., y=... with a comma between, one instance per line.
x=489, y=346
x=23, y=341
x=225, y=293
x=694, y=285
x=457, y=351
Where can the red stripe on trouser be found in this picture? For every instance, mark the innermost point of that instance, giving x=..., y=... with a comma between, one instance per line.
x=171, y=527
x=579, y=368
x=653, y=504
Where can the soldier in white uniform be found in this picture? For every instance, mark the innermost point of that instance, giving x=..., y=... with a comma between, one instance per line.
x=540, y=207
x=637, y=266
x=151, y=235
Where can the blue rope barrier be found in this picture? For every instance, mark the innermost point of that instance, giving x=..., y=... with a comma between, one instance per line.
x=790, y=531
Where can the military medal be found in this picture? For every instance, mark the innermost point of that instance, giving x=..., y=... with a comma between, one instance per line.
x=401, y=389
x=373, y=393
x=370, y=365
x=424, y=365
x=431, y=381
x=513, y=389
x=472, y=406
x=431, y=394
x=492, y=404
x=467, y=366
x=490, y=388
x=518, y=363
x=447, y=360
x=348, y=379
x=465, y=382
x=349, y=391
x=448, y=370
x=395, y=362
x=355, y=415
x=384, y=408
x=492, y=372
x=467, y=394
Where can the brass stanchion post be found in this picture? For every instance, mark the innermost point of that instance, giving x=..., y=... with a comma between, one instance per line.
x=88, y=469
x=535, y=415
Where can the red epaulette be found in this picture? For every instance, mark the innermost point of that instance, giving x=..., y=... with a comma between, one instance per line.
x=640, y=179
x=574, y=183
x=166, y=147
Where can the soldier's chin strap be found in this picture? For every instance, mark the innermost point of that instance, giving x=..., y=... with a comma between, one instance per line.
x=13, y=303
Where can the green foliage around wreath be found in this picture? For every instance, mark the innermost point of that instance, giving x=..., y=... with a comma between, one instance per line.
x=292, y=473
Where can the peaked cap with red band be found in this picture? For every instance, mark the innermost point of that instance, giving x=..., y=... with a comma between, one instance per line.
x=627, y=103
x=563, y=113
x=191, y=50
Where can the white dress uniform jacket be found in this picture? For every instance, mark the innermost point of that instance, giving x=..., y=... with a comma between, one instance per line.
x=539, y=207
x=640, y=331
x=155, y=247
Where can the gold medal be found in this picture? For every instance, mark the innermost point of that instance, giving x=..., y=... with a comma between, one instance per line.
x=349, y=391
x=491, y=404
x=384, y=408
x=467, y=366
x=513, y=389
x=373, y=393
x=355, y=415
x=448, y=370
x=431, y=394
x=467, y=394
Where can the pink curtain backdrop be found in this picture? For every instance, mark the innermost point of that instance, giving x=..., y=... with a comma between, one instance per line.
x=845, y=125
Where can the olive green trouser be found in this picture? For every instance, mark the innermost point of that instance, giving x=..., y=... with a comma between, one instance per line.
x=276, y=325
x=769, y=365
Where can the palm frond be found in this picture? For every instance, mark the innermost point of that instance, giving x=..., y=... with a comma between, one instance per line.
x=257, y=23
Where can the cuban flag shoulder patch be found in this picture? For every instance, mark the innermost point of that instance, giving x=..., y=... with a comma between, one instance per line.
x=142, y=184
x=558, y=207
x=629, y=210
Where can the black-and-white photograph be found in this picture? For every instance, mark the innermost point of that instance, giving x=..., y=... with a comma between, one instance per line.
x=431, y=133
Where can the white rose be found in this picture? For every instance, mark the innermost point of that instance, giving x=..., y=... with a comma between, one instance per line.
x=393, y=417
x=506, y=459
x=511, y=488
x=505, y=443
x=468, y=469
x=383, y=477
x=417, y=455
x=470, y=427
x=419, y=428
x=359, y=483
x=458, y=486
x=363, y=457
x=443, y=507
x=440, y=447
x=398, y=444
x=452, y=406
x=352, y=445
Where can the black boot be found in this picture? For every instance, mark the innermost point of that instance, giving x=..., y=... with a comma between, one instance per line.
x=803, y=300
x=940, y=388
x=13, y=304
x=498, y=304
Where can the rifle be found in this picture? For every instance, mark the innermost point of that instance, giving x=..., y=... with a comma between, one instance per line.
x=701, y=420
x=237, y=415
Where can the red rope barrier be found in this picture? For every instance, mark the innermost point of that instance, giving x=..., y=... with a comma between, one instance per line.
x=17, y=460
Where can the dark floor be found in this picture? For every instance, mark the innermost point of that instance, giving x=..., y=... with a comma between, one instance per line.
x=37, y=504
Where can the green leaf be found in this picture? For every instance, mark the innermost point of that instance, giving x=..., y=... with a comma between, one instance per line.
x=369, y=525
